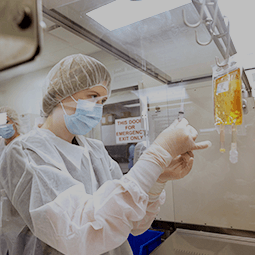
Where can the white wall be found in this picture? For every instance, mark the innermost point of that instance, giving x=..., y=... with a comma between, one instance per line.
x=24, y=93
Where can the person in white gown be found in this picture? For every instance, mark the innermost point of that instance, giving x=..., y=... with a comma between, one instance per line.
x=61, y=193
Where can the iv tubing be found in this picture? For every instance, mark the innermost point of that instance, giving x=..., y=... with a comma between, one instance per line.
x=222, y=138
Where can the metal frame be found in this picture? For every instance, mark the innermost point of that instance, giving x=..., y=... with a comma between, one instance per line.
x=220, y=25
x=36, y=19
x=197, y=242
x=172, y=226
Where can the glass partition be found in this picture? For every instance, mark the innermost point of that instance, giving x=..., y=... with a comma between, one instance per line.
x=216, y=192
x=161, y=44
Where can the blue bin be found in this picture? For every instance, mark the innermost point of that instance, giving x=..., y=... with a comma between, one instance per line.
x=145, y=243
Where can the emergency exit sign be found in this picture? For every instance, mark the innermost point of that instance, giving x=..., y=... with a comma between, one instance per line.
x=128, y=130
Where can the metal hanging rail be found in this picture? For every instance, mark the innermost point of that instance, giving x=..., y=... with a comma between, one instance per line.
x=215, y=22
x=221, y=27
x=210, y=15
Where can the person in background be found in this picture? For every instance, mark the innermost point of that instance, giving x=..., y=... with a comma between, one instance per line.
x=131, y=150
x=139, y=149
x=63, y=193
x=10, y=131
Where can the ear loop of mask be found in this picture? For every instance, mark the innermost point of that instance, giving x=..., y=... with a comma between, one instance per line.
x=74, y=99
x=63, y=105
x=63, y=108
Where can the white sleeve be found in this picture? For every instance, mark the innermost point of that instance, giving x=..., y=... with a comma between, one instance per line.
x=155, y=200
x=152, y=210
x=59, y=212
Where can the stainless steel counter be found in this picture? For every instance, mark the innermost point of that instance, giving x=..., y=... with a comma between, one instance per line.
x=183, y=242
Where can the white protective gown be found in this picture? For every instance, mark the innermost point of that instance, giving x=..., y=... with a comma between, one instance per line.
x=3, y=245
x=2, y=145
x=60, y=198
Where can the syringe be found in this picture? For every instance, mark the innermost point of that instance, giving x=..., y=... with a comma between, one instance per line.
x=181, y=112
x=222, y=138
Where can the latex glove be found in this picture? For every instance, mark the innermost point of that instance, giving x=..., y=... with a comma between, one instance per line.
x=180, y=138
x=179, y=168
x=177, y=139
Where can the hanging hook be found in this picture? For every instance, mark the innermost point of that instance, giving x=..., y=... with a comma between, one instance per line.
x=218, y=62
x=214, y=18
x=211, y=29
x=203, y=43
x=207, y=22
x=211, y=24
x=200, y=17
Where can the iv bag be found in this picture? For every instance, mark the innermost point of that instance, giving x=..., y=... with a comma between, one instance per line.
x=227, y=91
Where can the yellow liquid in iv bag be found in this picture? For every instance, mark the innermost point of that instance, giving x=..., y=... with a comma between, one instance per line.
x=228, y=99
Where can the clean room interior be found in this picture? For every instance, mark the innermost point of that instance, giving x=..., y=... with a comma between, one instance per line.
x=151, y=60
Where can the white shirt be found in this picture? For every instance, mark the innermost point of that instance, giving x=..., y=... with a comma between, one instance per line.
x=49, y=203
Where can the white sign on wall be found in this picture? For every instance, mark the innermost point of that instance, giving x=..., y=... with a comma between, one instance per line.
x=128, y=130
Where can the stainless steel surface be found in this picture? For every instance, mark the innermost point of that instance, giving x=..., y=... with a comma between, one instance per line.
x=221, y=27
x=183, y=242
x=20, y=32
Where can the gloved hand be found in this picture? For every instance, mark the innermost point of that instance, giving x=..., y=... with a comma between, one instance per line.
x=178, y=168
x=180, y=138
x=177, y=139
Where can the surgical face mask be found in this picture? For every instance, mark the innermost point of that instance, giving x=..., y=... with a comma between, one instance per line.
x=87, y=115
x=7, y=131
